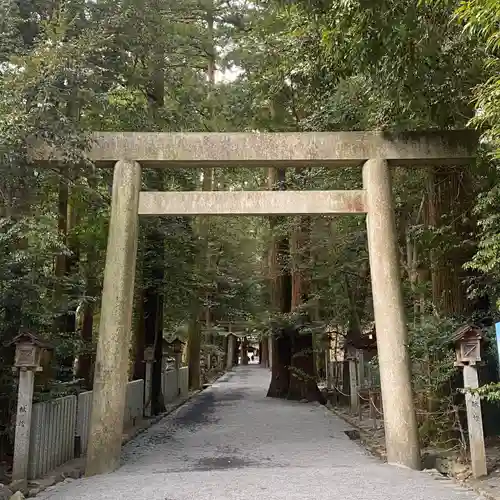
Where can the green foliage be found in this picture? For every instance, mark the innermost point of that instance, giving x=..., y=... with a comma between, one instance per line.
x=487, y=257
x=481, y=19
x=430, y=346
x=435, y=384
x=336, y=65
x=490, y=392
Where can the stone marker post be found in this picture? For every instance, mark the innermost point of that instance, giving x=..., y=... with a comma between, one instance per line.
x=360, y=357
x=27, y=362
x=373, y=411
x=177, y=361
x=231, y=341
x=149, y=359
x=467, y=342
x=177, y=345
x=474, y=423
x=353, y=386
x=326, y=344
x=400, y=421
x=111, y=366
x=23, y=426
x=329, y=374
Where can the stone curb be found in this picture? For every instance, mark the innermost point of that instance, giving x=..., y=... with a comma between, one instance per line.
x=374, y=450
x=363, y=435
x=76, y=471
x=486, y=495
x=154, y=420
x=146, y=424
x=483, y=493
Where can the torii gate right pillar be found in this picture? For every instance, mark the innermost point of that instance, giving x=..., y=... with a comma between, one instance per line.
x=401, y=432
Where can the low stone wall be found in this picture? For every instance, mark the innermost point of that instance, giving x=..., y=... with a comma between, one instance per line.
x=173, y=388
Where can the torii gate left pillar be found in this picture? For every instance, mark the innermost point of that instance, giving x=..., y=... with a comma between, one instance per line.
x=111, y=366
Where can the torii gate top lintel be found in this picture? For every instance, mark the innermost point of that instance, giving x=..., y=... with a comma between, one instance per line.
x=290, y=149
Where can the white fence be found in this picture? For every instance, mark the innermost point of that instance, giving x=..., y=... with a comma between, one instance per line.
x=56, y=423
x=173, y=388
x=83, y=419
x=133, y=410
x=134, y=402
x=52, y=435
x=184, y=381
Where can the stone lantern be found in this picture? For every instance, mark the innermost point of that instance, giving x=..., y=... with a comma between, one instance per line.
x=149, y=354
x=29, y=351
x=177, y=345
x=468, y=341
x=28, y=360
x=149, y=359
x=231, y=349
x=325, y=341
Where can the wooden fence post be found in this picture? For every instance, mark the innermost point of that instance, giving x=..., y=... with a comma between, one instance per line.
x=149, y=359
x=353, y=385
x=361, y=368
x=373, y=412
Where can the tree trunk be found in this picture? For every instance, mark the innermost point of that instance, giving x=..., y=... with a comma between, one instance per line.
x=280, y=373
x=237, y=345
x=302, y=373
x=150, y=332
x=195, y=331
x=194, y=352
x=225, y=349
x=149, y=329
x=244, y=351
x=203, y=259
x=157, y=400
x=264, y=352
x=64, y=322
x=293, y=372
x=280, y=297
x=85, y=359
x=303, y=383
x=139, y=369
x=154, y=274
x=92, y=292
x=449, y=201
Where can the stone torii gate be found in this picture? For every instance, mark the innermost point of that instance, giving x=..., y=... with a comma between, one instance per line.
x=375, y=151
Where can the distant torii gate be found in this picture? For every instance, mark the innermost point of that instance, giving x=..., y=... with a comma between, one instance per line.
x=234, y=330
x=375, y=151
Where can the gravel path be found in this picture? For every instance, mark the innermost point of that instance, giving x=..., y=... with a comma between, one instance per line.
x=232, y=443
